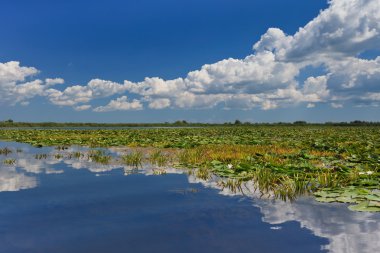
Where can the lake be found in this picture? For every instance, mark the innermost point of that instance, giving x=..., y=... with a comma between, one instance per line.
x=59, y=203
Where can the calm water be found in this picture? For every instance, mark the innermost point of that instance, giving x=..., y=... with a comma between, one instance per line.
x=57, y=204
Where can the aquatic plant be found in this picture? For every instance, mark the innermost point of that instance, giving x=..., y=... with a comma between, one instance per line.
x=9, y=161
x=159, y=172
x=234, y=185
x=5, y=151
x=77, y=154
x=283, y=161
x=133, y=159
x=40, y=156
x=158, y=158
x=98, y=156
x=61, y=148
x=362, y=199
x=203, y=173
x=58, y=156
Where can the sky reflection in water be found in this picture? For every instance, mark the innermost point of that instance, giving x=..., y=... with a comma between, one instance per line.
x=75, y=205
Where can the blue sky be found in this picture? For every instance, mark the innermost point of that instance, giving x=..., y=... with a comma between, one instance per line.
x=102, y=51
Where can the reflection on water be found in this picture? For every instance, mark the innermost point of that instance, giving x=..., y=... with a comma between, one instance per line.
x=345, y=230
x=11, y=180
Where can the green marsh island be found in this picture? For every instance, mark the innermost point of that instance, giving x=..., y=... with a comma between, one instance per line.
x=332, y=163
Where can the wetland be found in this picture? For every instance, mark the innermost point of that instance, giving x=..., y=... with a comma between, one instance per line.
x=230, y=189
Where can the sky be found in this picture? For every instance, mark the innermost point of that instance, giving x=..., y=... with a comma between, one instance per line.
x=194, y=60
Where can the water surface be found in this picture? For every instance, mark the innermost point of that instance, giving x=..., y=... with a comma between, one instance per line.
x=62, y=204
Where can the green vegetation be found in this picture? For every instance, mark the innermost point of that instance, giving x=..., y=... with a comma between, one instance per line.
x=5, y=151
x=41, y=156
x=99, y=156
x=133, y=159
x=361, y=198
x=158, y=158
x=179, y=123
x=9, y=162
x=336, y=163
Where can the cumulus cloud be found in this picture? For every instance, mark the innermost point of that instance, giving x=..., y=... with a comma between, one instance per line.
x=269, y=78
x=336, y=105
x=82, y=107
x=17, y=86
x=77, y=94
x=54, y=81
x=120, y=104
x=159, y=103
x=346, y=28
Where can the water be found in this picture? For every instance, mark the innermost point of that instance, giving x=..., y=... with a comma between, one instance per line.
x=59, y=204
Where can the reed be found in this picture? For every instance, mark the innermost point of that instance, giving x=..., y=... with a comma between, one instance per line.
x=5, y=151
x=9, y=161
x=158, y=158
x=133, y=159
x=99, y=156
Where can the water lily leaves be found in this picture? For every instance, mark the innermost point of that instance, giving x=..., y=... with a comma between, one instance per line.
x=221, y=169
x=365, y=206
x=345, y=199
x=326, y=194
x=373, y=197
x=325, y=199
x=369, y=182
x=367, y=201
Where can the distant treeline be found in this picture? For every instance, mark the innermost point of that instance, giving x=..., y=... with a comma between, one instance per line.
x=181, y=123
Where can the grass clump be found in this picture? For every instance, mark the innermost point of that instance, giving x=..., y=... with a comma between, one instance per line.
x=133, y=159
x=9, y=161
x=41, y=156
x=158, y=158
x=5, y=151
x=99, y=156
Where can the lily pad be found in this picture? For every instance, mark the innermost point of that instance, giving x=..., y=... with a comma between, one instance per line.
x=364, y=207
x=345, y=199
x=325, y=200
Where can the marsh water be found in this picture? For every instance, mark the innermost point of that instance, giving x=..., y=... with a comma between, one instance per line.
x=59, y=203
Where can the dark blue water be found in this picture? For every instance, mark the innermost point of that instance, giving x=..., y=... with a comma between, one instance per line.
x=53, y=205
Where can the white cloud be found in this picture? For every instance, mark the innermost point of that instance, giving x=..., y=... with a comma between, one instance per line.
x=254, y=74
x=267, y=105
x=159, y=103
x=372, y=96
x=336, y=105
x=120, y=104
x=346, y=28
x=14, y=85
x=54, y=81
x=77, y=94
x=82, y=107
x=12, y=72
x=315, y=89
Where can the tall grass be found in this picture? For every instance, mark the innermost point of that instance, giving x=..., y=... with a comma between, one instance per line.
x=5, y=151
x=99, y=156
x=133, y=159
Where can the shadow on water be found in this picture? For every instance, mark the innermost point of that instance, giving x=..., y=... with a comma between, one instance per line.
x=54, y=202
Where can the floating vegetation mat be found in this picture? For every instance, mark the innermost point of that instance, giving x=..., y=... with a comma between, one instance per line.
x=336, y=164
x=365, y=200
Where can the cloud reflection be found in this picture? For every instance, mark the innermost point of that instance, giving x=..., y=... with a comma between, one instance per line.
x=347, y=231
